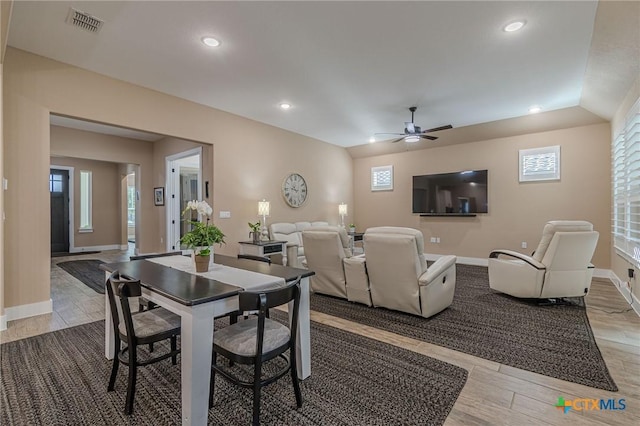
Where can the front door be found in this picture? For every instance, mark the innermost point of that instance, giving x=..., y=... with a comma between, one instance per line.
x=59, y=190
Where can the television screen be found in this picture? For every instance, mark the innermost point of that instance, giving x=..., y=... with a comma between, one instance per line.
x=451, y=193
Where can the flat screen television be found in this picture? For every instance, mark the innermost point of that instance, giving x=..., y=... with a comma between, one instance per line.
x=455, y=194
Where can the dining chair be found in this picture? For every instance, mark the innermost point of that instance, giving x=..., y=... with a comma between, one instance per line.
x=142, y=302
x=140, y=328
x=265, y=259
x=256, y=340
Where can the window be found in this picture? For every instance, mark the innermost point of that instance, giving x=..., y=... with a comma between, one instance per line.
x=85, y=201
x=625, y=157
x=382, y=178
x=131, y=205
x=55, y=183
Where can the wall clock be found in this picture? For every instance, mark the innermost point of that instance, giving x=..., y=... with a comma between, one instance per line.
x=294, y=190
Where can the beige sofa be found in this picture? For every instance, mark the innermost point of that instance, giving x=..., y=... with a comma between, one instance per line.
x=292, y=234
x=337, y=273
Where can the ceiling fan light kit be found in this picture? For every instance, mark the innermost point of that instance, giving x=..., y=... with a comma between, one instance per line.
x=413, y=133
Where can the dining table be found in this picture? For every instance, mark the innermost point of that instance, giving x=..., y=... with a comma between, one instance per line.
x=198, y=298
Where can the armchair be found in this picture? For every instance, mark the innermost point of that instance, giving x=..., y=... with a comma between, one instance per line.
x=292, y=234
x=328, y=254
x=560, y=266
x=398, y=273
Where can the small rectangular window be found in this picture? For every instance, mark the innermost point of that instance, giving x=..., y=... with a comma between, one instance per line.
x=382, y=178
x=85, y=201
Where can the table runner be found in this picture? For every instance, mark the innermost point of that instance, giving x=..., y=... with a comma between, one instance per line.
x=248, y=280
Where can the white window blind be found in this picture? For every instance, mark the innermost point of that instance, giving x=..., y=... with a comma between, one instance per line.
x=382, y=178
x=625, y=157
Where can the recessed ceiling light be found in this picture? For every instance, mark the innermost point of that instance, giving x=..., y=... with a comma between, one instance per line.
x=412, y=139
x=535, y=109
x=372, y=139
x=211, y=42
x=514, y=26
x=285, y=105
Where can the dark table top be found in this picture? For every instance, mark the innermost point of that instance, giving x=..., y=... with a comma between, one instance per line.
x=189, y=289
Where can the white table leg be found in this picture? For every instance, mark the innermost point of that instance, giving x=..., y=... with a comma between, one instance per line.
x=303, y=351
x=195, y=358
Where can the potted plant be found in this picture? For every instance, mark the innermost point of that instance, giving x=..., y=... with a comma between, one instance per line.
x=352, y=228
x=255, y=232
x=202, y=235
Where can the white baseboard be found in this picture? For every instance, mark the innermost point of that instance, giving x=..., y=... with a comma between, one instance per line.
x=631, y=298
x=3, y=322
x=97, y=248
x=475, y=261
x=28, y=310
x=124, y=246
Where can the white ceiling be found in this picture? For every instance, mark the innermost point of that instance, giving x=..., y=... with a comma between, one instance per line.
x=350, y=69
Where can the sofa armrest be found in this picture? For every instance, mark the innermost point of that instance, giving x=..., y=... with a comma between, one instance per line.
x=292, y=255
x=528, y=259
x=438, y=267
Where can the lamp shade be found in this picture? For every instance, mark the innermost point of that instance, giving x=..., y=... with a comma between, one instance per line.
x=342, y=209
x=263, y=208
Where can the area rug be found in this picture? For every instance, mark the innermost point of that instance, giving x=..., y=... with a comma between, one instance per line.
x=60, y=378
x=556, y=341
x=87, y=271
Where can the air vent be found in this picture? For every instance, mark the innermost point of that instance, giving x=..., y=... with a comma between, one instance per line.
x=83, y=20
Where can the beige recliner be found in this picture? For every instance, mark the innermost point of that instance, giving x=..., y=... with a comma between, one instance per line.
x=292, y=234
x=337, y=273
x=398, y=274
x=560, y=266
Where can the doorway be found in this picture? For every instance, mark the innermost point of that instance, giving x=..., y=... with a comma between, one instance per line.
x=184, y=183
x=131, y=208
x=59, y=183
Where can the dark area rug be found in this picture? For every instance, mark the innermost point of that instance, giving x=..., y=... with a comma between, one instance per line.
x=66, y=253
x=60, y=378
x=556, y=341
x=87, y=271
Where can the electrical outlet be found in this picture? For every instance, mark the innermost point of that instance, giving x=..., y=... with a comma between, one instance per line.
x=437, y=240
x=432, y=239
x=161, y=240
x=524, y=244
x=225, y=214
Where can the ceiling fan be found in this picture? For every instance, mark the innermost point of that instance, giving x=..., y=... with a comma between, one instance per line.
x=413, y=133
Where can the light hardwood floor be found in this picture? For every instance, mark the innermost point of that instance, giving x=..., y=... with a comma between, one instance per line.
x=495, y=394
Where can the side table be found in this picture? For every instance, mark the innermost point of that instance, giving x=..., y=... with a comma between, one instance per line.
x=262, y=248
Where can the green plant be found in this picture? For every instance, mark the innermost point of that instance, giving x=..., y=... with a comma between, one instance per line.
x=352, y=225
x=202, y=234
x=255, y=227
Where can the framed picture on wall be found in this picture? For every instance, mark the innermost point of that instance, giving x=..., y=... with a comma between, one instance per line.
x=158, y=196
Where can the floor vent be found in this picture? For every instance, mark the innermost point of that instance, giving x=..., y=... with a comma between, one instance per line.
x=83, y=20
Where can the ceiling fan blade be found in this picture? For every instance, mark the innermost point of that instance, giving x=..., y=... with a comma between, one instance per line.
x=398, y=140
x=393, y=134
x=431, y=138
x=437, y=129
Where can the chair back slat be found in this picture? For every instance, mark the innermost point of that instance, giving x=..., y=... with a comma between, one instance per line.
x=151, y=256
x=250, y=300
x=120, y=289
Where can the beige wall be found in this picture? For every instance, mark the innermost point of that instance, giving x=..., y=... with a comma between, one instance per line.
x=251, y=160
x=517, y=211
x=161, y=150
x=105, y=201
x=619, y=265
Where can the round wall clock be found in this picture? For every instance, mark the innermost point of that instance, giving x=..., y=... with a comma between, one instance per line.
x=294, y=190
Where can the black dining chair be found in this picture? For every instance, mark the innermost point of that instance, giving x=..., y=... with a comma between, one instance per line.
x=142, y=302
x=140, y=328
x=265, y=259
x=257, y=340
